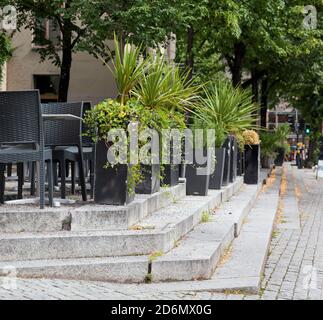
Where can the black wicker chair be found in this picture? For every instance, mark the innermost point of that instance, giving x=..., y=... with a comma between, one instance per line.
x=21, y=131
x=67, y=142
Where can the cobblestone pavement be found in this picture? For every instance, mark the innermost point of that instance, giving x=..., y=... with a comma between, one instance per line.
x=294, y=269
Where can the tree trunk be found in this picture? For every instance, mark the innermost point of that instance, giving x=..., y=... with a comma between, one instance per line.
x=237, y=63
x=255, y=86
x=189, y=51
x=264, y=102
x=189, y=61
x=313, y=145
x=64, y=80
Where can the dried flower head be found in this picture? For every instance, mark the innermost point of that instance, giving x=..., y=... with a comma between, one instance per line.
x=250, y=137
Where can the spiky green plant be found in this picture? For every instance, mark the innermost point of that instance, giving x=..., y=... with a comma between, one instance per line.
x=163, y=89
x=230, y=108
x=127, y=69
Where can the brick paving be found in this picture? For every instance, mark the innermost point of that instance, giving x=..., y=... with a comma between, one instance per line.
x=294, y=269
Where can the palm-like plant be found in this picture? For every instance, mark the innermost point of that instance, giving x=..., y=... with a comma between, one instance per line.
x=227, y=107
x=165, y=90
x=127, y=69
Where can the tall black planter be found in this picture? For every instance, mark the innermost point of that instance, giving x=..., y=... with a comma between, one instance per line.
x=170, y=175
x=280, y=157
x=233, y=159
x=111, y=187
x=252, y=164
x=227, y=161
x=150, y=179
x=216, y=178
x=197, y=183
x=239, y=162
x=171, y=171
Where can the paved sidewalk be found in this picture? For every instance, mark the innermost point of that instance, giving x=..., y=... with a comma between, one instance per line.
x=294, y=269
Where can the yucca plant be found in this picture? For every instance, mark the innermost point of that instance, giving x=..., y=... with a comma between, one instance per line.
x=127, y=69
x=165, y=91
x=228, y=107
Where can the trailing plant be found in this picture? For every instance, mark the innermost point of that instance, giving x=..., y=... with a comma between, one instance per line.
x=111, y=114
x=5, y=51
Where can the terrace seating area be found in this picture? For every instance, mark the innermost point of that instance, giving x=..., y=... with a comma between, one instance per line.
x=43, y=143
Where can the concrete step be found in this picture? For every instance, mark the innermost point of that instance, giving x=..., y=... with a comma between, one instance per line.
x=156, y=233
x=197, y=255
x=114, y=269
x=242, y=267
x=89, y=217
x=199, y=252
x=250, y=249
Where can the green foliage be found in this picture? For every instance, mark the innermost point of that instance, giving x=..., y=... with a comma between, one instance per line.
x=65, y=14
x=111, y=114
x=206, y=217
x=166, y=92
x=5, y=51
x=226, y=109
x=272, y=141
x=127, y=69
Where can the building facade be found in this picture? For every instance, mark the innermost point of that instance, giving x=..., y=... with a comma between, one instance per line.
x=90, y=79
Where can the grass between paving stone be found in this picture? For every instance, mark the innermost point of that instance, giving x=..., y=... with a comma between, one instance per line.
x=274, y=234
x=282, y=192
x=206, y=217
x=148, y=278
x=226, y=255
x=155, y=255
x=138, y=227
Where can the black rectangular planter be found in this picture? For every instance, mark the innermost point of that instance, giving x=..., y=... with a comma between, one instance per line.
x=280, y=157
x=266, y=162
x=239, y=162
x=233, y=159
x=170, y=175
x=252, y=164
x=150, y=179
x=216, y=178
x=227, y=161
x=171, y=172
x=197, y=184
x=111, y=187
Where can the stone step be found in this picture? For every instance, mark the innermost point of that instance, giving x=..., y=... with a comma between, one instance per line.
x=197, y=255
x=156, y=233
x=194, y=257
x=90, y=217
x=250, y=249
x=199, y=252
x=242, y=267
x=114, y=269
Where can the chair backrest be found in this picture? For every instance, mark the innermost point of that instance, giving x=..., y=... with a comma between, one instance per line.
x=20, y=117
x=63, y=133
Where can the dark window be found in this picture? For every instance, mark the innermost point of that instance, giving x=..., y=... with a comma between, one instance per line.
x=46, y=30
x=48, y=87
